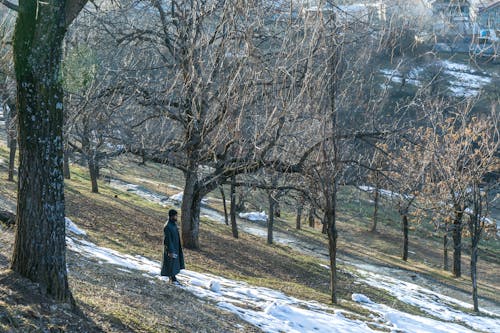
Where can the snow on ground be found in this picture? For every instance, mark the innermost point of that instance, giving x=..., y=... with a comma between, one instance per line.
x=274, y=311
x=464, y=80
x=254, y=216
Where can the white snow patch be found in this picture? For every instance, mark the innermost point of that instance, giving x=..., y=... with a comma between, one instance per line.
x=254, y=216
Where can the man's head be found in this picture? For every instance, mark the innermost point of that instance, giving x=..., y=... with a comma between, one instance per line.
x=172, y=214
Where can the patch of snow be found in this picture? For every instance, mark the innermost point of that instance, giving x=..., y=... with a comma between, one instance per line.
x=71, y=227
x=254, y=216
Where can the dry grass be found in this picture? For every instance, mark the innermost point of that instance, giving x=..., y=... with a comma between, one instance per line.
x=111, y=300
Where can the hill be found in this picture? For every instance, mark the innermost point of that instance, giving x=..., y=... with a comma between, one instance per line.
x=117, y=299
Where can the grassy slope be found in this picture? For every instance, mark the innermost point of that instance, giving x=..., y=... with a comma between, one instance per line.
x=121, y=301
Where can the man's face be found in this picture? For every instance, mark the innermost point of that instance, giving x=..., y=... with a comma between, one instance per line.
x=174, y=217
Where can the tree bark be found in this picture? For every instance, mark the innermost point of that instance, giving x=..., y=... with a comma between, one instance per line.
x=299, y=217
x=234, y=226
x=457, y=244
x=94, y=174
x=446, y=265
x=66, y=170
x=270, y=221
x=311, y=217
x=331, y=221
x=12, y=157
x=473, y=275
x=40, y=248
x=191, y=205
x=405, y=237
x=375, y=209
x=223, y=195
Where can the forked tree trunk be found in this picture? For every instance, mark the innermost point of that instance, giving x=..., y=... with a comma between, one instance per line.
x=40, y=248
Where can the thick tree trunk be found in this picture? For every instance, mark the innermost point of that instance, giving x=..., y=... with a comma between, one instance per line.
x=224, y=204
x=299, y=217
x=405, y=237
x=191, y=205
x=234, y=226
x=40, y=247
x=375, y=209
x=270, y=221
x=457, y=244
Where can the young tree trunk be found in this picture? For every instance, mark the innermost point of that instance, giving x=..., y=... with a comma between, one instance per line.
x=457, y=244
x=191, y=205
x=12, y=157
x=270, y=221
x=311, y=217
x=375, y=209
x=234, y=226
x=330, y=221
x=299, y=217
x=405, y=237
x=473, y=275
x=446, y=265
x=224, y=204
x=94, y=174
x=66, y=170
x=40, y=247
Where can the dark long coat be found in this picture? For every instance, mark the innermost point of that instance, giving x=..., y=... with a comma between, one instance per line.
x=171, y=244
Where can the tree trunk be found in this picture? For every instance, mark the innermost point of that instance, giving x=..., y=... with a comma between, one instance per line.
x=12, y=157
x=311, y=217
x=191, y=205
x=94, y=174
x=11, y=127
x=223, y=195
x=446, y=265
x=405, y=237
x=473, y=275
x=66, y=170
x=330, y=221
x=375, y=209
x=270, y=221
x=234, y=226
x=40, y=247
x=299, y=217
x=457, y=244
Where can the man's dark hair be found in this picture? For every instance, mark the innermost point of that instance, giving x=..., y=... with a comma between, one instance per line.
x=172, y=212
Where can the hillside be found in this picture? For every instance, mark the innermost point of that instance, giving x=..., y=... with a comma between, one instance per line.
x=115, y=298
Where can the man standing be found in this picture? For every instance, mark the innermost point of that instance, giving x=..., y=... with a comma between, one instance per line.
x=173, y=258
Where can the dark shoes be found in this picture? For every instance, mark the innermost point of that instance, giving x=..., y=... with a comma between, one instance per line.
x=174, y=281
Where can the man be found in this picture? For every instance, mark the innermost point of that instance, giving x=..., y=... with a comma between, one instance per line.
x=173, y=258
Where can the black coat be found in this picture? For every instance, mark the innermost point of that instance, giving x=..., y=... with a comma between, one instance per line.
x=171, y=244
